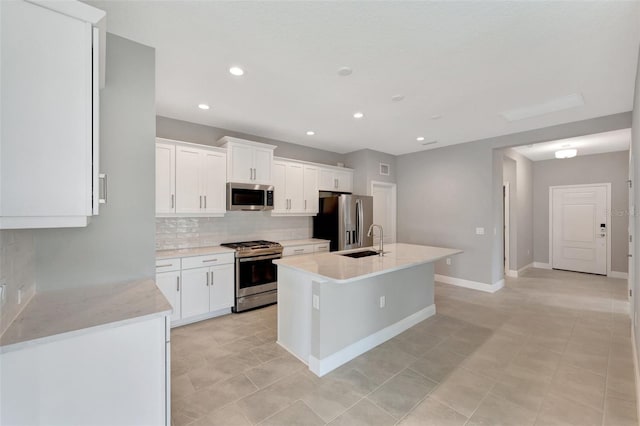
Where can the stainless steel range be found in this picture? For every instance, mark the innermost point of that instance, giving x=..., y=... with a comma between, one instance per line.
x=256, y=275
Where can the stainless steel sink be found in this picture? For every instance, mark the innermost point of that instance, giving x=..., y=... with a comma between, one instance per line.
x=363, y=253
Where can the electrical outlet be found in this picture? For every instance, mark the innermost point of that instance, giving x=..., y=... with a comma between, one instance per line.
x=20, y=296
x=316, y=302
x=3, y=293
x=635, y=319
x=383, y=301
x=479, y=231
x=448, y=261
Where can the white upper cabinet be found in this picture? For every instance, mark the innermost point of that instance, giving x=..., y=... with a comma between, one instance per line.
x=50, y=62
x=336, y=179
x=295, y=188
x=248, y=161
x=190, y=179
x=165, y=178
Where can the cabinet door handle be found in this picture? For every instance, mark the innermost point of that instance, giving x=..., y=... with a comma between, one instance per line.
x=178, y=283
x=205, y=201
x=173, y=200
x=335, y=183
x=105, y=188
x=305, y=204
x=201, y=201
x=207, y=279
x=209, y=260
x=298, y=251
x=211, y=277
x=163, y=266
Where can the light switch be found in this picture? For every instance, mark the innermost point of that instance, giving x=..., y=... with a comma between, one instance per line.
x=383, y=301
x=316, y=302
x=479, y=231
x=448, y=261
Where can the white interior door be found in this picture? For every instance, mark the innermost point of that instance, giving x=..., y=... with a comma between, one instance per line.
x=384, y=210
x=579, y=228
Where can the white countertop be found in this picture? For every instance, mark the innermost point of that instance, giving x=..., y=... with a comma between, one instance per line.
x=289, y=243
x=332, y=266
x=189, y=252
x=60, y=314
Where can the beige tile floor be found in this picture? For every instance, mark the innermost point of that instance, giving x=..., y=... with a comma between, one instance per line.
x=550, y=348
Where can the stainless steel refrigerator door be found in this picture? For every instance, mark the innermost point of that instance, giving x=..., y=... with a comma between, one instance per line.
x=355, y=217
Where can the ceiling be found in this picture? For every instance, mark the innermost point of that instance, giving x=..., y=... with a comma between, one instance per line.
x=467, y=62
x=618, y=140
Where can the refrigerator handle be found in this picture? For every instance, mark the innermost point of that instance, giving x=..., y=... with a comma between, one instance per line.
x=359, y=224
x=348, y=238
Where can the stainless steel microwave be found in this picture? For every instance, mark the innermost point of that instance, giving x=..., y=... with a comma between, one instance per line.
x=249, y=196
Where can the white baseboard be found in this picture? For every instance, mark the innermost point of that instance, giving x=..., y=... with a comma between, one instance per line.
x=542, y=265
x=524, y=268
x=635, y=367
x=617, y=274
x=474, y=285
x=320, y=367
x=202, y=317
x=511, y=273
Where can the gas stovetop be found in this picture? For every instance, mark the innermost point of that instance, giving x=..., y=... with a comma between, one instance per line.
x=250, y=248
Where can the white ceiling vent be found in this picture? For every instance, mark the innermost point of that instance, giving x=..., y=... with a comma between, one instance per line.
x=554, y=105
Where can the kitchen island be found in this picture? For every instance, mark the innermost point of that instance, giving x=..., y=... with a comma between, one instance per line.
x=332, y=308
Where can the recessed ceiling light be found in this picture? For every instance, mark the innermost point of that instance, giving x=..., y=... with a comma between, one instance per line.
x=553, y=105
x=566, y=145
x=358, y=115
x=203, y=106
x=436, y=117
x=566, y=153
x=310, y=133
x=397, y=98
x=237, y=71
x=430, y=143
x=420, y=138
x=344, y=71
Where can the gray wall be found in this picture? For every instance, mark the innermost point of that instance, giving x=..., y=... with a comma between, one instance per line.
x=523, y=209
x=445, y=193
x=635, y=166
x=612, y=167
x=509, y=174
x=366, y=163
x=170, y=128
x=119, y=244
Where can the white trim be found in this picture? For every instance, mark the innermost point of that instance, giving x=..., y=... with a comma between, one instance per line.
x=636, y=368
x=74, y=9
x=320, y=367
x=542, y=265
x=474, y=285
x=511, y=273
x=618, y=274
x=506, y=209
x=609, y=222
x=33, y=222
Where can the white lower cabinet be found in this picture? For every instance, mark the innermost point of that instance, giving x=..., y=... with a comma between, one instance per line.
x=169, y=284
x=195, y=291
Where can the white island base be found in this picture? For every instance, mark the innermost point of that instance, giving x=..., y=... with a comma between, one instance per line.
x=332, y=308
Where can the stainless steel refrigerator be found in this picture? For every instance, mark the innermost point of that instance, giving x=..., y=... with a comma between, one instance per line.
x=344, y=219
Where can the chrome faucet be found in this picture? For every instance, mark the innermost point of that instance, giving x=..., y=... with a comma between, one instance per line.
x=381, y=250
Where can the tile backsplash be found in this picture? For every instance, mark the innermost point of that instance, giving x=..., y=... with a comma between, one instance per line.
x=17, y=272
x=191, y=232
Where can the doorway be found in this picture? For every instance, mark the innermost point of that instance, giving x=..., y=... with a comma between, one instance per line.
x=384, y=210
x=506, y=206
x=579, y=228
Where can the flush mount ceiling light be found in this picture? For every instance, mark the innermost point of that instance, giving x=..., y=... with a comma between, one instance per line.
x=310, y=133
x=429, y=143
x=344, y=71
x=237, y=71
x=420, y=138
x=358, y=115
x=554, y=105
x=397, y=98
x=566, y=153
x=436, y=117
x=203, y=106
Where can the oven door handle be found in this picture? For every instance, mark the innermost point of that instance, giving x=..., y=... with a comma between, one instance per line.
x=267, y=257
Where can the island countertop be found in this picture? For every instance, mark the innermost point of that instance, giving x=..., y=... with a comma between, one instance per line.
x=342, y=269
x=58, y=314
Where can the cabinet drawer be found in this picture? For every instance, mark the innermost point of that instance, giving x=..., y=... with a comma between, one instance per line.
x=167, y=265
x=320, y=248
x=296, y=250
x=207, y=260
